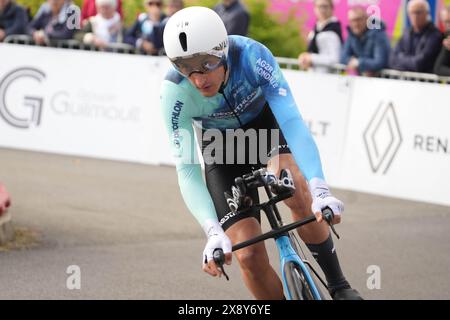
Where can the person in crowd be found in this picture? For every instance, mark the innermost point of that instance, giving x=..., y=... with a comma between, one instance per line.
x=419, y=46
x=442, y=65
x=5, y=199
x=143, y=32
x=365, y=50
x=235, y=17
x=103, y=28
x=52, y=24
x=324, y=41
x=13, y=19
x=89, y=9
x=173, y=6
x=45, y=7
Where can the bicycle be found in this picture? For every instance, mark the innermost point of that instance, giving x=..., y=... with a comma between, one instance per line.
x=298, y=281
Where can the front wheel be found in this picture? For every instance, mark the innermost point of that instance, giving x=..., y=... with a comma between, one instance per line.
x=296, y=283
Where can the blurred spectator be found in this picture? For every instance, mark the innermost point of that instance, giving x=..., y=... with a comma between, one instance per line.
x=13, y=19
x=89, y=9
x=365, y=50
x=325, y=41
x=45, y=7
x=418, y=47
x=5, y=200
x=143, y=32
x=442, y=66
x=234, y=15
x=51, y=25
x=173, y=6
x=103, y=28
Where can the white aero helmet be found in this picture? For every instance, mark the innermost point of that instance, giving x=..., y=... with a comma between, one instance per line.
x=193, y=32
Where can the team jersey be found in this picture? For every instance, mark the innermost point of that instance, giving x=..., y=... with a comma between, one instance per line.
x=255, y=79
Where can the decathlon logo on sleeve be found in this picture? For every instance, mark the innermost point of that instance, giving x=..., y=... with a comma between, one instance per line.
x=21, y=114
x=175, y=120
x=383, y=138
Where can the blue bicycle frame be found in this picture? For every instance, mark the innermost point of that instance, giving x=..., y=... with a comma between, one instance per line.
x=279, y=231
x=287, y=254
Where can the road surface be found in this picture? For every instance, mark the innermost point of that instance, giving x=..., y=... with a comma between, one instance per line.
x=125, y=226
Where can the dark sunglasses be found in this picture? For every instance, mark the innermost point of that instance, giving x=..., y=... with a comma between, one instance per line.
x=154, y=3
x=200, y=63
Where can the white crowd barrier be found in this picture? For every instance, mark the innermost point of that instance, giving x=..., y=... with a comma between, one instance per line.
x=382, y=136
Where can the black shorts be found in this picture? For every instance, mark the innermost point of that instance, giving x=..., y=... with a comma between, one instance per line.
x=220, y=174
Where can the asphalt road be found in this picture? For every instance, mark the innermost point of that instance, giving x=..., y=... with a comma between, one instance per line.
x=126, y=227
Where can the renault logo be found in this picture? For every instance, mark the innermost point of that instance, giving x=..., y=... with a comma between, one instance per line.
x=382, y=138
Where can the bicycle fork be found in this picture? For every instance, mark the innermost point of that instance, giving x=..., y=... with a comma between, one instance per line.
x=287, y=254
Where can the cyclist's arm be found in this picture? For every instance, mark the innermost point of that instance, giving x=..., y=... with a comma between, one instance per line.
x=176, y=108
x=267, y=74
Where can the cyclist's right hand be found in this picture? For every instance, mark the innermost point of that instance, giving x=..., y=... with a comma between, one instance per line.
x=217, y=239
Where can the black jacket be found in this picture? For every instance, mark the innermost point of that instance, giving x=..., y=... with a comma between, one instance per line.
x=442, y=65
x=13, y=19
x=333, y=25
x=419, y=56
x=235, y=17
x=54, y=28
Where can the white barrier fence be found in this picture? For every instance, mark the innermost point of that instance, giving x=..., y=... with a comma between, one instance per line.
x=381, y=136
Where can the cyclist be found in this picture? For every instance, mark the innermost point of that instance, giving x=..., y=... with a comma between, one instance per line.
x=220, y=82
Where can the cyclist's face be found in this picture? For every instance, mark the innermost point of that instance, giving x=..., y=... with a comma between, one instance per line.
x=208, y=83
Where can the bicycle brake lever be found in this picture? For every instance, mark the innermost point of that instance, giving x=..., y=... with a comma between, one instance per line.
x=219, y=260
x=328, y=215
x=224, y=273
x=334, y=231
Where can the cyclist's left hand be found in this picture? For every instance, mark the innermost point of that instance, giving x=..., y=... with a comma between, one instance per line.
x=322, y=198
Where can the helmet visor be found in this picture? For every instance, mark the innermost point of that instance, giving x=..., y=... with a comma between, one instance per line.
x=200, y=63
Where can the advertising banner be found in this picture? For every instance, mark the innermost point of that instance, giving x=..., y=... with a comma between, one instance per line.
x=398, y=141
x=323, y=101
x=89, y=103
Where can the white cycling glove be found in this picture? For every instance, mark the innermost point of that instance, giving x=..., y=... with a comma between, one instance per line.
x=322, y=198
x=217, y=239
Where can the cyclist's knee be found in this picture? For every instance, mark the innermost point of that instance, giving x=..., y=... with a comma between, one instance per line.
x=252, y=259
x=301, y=200
x=281, y=161
x=300, y=203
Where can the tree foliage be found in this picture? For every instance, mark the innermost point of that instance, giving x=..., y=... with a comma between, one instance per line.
x=281, y=35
